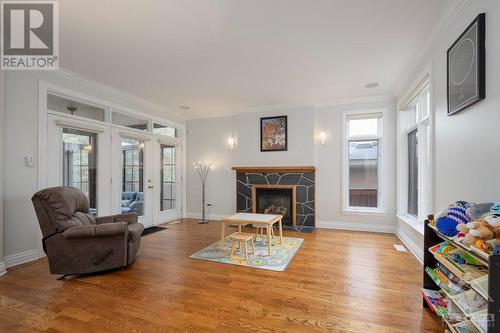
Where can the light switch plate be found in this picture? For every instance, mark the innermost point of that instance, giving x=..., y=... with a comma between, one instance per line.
x=29, y=161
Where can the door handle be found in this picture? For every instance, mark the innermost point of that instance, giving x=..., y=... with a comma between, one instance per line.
x=150, y=186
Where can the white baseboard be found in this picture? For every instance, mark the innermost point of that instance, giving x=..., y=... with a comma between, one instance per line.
x=384, y=228
x=21, y=258
x=208, y=216
x=2, y=268
x=414, y=249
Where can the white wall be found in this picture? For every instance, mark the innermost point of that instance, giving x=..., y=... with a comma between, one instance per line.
x=466, y=144
x=300, y=139
x=21, y=132
x=2, y=139
x=207, y=139
x=466, y=161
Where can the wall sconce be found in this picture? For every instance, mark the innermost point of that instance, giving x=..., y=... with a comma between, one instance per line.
x=230, y=142
x=322, y=137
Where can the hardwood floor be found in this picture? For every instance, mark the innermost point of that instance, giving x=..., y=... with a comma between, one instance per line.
x=339, y=281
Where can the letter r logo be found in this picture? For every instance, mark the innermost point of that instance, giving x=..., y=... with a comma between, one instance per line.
x=28, y=28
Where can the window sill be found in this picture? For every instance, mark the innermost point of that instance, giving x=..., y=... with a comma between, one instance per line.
x=413, y=222
x=349, y=211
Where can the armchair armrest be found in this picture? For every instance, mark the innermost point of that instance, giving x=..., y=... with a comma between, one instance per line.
x=127, y=217
x=105, y=219
x=97, y=230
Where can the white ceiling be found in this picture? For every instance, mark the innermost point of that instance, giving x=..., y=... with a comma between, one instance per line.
x=225, y=56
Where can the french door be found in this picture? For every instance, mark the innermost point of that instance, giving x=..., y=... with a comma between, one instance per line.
x=146, y=177
x=169, y=181
x=119, y=170
x=132, y=180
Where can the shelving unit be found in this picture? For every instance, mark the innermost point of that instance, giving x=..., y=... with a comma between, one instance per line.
x=483, y=287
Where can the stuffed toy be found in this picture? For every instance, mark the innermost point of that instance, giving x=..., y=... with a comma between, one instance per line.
x=465, y=234
x=431, y=220
x=476, y=211
x=456, y=214
x=495, y=208
x=482, y=231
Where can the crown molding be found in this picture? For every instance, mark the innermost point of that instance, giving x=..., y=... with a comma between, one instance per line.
x=311, y=105
x=134, y=98
x=356, y=100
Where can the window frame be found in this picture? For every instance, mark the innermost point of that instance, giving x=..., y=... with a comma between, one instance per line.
x=381, y=114
x=424, y=127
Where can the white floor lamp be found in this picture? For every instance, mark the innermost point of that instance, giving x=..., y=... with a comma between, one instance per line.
x=203, y=168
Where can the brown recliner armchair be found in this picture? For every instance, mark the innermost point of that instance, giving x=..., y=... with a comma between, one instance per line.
x=75, y=241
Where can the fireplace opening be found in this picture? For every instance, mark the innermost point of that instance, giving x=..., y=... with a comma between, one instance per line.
x=275, y=201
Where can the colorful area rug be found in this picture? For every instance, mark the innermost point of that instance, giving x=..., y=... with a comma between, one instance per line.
x=281, y=255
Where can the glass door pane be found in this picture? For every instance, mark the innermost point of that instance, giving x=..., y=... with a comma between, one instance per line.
x=80, y=163
x=132, y=179
x=167, y=178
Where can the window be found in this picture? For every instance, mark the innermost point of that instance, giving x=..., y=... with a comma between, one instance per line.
x=167, y=199
x=165, y=130
x=414, y=167
x=132, y=157
x=79, y=163
x=74, y=107
x=413, y=173
x=130, y=121
x=362, y=176
x=132, y=176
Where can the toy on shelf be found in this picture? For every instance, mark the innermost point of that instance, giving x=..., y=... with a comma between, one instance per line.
x=462, y=257
x=431, y=220
x=445, y=248
x=456, y=214
x=495, y=208
x=483, y=233
x=458, y=261
x=476, y=211
x=483, y=246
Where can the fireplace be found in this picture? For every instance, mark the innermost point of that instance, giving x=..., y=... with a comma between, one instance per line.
x=275, y=199
x=274, y=184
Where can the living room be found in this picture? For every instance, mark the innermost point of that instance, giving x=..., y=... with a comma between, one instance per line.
x=222, y=166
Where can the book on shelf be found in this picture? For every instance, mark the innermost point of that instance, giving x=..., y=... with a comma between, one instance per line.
x=436, y=301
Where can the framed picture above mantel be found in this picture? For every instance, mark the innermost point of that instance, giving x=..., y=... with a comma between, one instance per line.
x=466, y=67
x=274, y=133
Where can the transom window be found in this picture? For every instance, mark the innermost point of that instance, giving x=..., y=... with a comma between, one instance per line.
x=165, y=130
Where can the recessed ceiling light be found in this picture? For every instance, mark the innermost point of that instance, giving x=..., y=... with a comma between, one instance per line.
x=184, y=107
x=371, y=85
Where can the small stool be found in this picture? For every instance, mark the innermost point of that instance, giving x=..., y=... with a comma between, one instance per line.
x=242, y=238
x=260, y=230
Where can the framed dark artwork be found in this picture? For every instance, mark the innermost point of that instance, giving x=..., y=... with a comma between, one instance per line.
x=466, y=67
x=274, y=133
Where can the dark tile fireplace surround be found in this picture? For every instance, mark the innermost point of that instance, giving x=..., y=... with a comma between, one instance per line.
x=258, y=188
